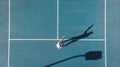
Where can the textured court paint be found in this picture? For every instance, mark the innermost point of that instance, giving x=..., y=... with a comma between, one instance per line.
x=113, y=33
x=37, y=19
x=41, y=53
x=33, y=19
x=3, y=32
x=30, y=50
x=77, y=15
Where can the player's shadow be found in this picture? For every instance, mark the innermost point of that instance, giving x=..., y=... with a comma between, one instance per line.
x=93, y=55
x=76, y=38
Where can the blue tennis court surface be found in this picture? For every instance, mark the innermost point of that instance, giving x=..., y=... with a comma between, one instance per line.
x=38, y=19
x=37, y=25
x=42, y=53
x=51, y=19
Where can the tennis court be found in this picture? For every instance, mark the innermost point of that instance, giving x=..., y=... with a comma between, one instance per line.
x=36, y=26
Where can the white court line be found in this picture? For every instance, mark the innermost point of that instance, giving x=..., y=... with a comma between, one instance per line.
x=57, y=19
x=56, y=39
x=8, y=65
x=105, y=46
